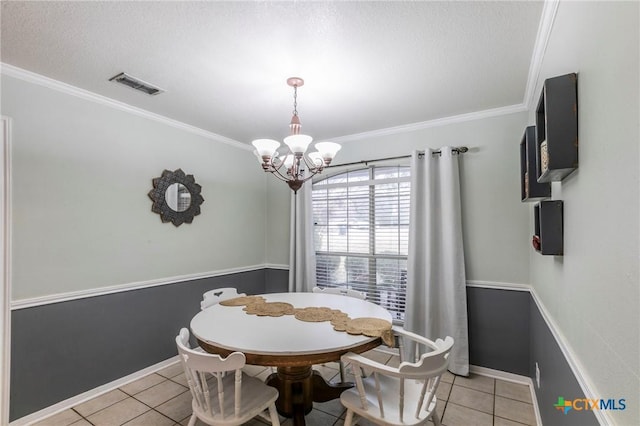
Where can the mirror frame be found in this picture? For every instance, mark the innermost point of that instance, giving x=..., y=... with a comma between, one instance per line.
x=160, y=206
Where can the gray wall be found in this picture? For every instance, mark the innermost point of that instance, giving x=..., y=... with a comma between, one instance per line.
x=499, y=329
x=277, y=280
x=93, y=341
x=556, y=377
x=63, y=349
x=508, y=333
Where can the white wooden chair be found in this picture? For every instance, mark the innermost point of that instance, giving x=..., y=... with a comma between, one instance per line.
x=343, y=292
x=217, y=295
x=227, y=399
x=405, y=395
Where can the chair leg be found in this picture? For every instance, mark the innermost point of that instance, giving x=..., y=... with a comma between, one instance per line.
x=349, y=418
x=273, y=414
x=192, y=420
x=435, y=418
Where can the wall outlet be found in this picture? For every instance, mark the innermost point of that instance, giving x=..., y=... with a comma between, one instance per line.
x=537, y=375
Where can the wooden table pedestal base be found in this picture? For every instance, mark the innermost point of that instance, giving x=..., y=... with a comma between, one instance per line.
x=299, y=387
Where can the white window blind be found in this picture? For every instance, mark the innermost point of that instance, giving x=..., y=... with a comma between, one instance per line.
x=361, y=231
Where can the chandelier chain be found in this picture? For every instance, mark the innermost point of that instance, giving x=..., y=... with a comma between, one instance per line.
x=295, y=99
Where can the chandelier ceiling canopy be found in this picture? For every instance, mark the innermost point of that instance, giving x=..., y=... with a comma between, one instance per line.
x=291, y=162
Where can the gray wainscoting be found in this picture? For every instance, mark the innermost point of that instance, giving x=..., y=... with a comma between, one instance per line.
x=508, y=333
x=64, y=349
x=556, y=377
x=499, y=329
x=277, y=280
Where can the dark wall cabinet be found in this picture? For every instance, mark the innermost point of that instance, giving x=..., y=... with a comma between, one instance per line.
x=530, y=188
x=548, y=228
x=548, y=153
x=557, y=128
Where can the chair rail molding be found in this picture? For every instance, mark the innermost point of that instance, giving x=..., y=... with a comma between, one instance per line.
x=5, y=269
x=101, y=291
x=499, y=285
x=282, y=267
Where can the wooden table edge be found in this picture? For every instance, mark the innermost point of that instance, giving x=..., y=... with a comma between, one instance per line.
x=294, y=360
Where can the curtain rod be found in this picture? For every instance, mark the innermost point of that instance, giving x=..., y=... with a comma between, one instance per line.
x=457, y=150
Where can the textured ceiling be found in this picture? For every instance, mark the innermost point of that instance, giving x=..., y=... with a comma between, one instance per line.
x=367, y=65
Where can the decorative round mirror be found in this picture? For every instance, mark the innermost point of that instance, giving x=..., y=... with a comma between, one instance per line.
x=176, y=197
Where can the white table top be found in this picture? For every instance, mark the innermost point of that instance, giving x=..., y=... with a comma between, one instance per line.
x=232, y=328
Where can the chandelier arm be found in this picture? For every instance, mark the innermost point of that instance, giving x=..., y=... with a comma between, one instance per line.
x=309, y=177
x=279, y=175
x=312, y=167
x=297, y=163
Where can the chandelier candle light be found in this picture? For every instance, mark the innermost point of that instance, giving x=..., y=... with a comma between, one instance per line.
x=291, y=165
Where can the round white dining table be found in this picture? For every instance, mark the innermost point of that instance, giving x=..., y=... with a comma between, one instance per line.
x=289, y=344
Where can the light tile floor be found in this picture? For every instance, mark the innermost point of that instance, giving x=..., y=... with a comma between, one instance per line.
x=163, y=398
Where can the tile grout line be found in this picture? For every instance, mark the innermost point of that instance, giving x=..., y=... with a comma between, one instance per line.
x=132, y=396
x=86, y=420
x=495, y=388
x=446, y=401
x=102, y=409
x=495, y=394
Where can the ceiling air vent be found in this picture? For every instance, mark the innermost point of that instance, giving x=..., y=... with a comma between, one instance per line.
x=136, y=83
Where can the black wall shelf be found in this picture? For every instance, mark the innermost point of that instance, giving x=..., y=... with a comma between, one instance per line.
x=557, y=128
x=530, y=188
x=548, y=227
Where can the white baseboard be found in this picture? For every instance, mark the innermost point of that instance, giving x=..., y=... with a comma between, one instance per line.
x=502, y=375
x=83, y=397
x=514, y=378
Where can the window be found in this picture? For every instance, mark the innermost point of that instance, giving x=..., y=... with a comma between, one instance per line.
x=361, y=233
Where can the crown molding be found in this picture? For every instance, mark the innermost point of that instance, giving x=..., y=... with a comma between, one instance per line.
x=549, y=11
x=545, y=26
x=31, y=77
x=405, y=128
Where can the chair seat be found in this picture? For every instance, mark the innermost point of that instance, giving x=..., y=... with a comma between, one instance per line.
x=390, y=388
x=256, y=397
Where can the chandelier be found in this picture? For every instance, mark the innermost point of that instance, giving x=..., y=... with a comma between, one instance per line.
x=293, y=164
